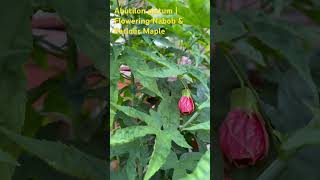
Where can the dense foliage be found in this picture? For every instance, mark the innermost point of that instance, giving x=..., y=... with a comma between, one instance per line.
x=150, y=137
x=272, y=49
x=74, y=145
x=266, y=50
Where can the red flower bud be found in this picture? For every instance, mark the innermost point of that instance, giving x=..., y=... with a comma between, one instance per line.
x=186, y=104
x=243, y=138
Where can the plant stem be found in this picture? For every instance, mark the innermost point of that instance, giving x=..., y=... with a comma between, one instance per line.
x=260, y=104
x=192, y=43
x=183, y=83
x=273, y=170
x=193, y=117
x=236, y=71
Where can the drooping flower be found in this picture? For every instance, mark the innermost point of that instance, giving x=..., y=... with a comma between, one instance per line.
x=186, y=105
x=243, y=136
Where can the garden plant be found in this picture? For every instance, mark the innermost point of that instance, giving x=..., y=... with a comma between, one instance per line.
x=160, y=99
x=97, y=104
x=266, y=90
x=53, y=108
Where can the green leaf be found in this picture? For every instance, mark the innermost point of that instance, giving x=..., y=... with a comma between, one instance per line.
x=137, y=63
x=273, y=170
x=43, y=171
x=148, y=83
x=161, y=151
x=163, y=72
x=172, y=69
x=135, y=113
x=200, y=75
x=226, y=27
x=189, y=160
x=33, y=121
x=303, y=137
x=13, y=97
x=249, y=51
x=117, y=175
x=279, y=5
x=114, y=79
x=171, y=162
x=61, y=157
x=7, y=158
x=121, y=149
x=156, y=119
x=154, y=58
x=189, y=15
x=200, y=126
x=39, y=56
x=15, y=49
x=114, y=92
x=202, y=171
x=205, y=104
x=57, y=102
x=169, y=112
x=178, y=174
x=287, y=44
x=129, y=134
x=313, y=13
x=115, y=62
x=201, y=8
x=86, y=24
x=300, y=139
x=293, y=95
x=303, y=164
x=112, y=115
x=130, y=167
x=217, y=161
x=178, y=138
x=114, y=73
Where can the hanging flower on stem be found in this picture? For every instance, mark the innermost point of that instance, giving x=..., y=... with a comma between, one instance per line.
x=186, y=104
x=243, y=136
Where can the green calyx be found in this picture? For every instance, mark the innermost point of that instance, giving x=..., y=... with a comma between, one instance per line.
x=243, y=98
x=186, y=92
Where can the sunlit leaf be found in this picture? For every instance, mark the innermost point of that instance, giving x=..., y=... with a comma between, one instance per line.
x=201, y=126
x=161, y=150
x=129, y=134
x=202, y=171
